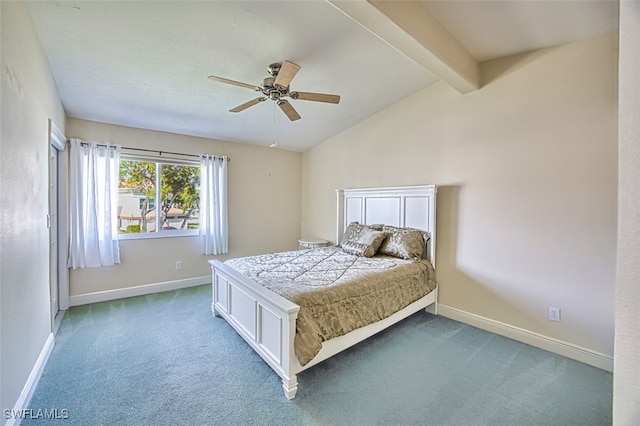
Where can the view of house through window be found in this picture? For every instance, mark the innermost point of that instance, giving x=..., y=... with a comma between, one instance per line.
x=157, y=196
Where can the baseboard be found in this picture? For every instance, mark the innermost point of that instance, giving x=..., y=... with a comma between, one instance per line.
x=140, y=290
x=578, y=353
x=32, y=381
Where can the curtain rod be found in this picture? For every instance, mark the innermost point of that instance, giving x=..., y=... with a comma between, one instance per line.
x=156, y=151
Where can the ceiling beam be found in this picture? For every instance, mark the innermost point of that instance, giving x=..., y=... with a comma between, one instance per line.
x=408, y=27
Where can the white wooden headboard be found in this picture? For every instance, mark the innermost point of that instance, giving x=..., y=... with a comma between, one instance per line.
x=401, y=206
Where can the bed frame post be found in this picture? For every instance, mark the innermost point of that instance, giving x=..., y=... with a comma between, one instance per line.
x=433, y=308
x=290, y=364
x=340, y=215
x=214, y=286
x=265, y=320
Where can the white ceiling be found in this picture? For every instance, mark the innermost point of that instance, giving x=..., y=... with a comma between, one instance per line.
x=494, y=29
x=145, y=64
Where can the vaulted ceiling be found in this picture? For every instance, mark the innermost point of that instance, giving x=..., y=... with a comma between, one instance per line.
x=145, y=64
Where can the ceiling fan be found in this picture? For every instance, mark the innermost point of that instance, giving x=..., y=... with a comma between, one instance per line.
x=276, y=88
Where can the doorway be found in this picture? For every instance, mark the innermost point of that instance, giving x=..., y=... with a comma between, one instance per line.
x=57, y=222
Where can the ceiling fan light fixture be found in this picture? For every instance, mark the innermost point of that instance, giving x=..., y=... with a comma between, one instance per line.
x=275, y=95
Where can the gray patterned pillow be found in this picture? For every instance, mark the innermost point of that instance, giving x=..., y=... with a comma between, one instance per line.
x=365, y=243
x=405, y=243
x=357, y=249
x=354, y=229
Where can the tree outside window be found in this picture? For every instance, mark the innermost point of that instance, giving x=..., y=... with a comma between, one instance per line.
x=139, y=187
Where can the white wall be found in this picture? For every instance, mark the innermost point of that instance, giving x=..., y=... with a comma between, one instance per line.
x=527, y=200
x=29, y=100
x=264, y=209
x=626, y=382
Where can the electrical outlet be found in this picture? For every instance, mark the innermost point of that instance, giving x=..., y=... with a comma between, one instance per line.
x=554, y=314
x=178, y=265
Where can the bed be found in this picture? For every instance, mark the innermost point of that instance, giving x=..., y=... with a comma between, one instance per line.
x=256, y=295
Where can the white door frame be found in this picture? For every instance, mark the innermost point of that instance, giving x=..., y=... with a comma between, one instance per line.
x=52, y=223
x=58, y=141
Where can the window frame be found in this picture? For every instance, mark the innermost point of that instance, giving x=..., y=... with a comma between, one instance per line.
x=159, y=160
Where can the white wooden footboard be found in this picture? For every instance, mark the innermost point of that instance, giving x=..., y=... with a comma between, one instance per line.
x=267, y=321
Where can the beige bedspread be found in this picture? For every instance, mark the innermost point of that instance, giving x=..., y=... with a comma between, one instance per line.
x=337, y=292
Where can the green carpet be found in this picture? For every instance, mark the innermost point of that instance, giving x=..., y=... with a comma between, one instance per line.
x=163, y=359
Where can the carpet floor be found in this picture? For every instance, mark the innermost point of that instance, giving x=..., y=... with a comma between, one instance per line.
x=163, y=359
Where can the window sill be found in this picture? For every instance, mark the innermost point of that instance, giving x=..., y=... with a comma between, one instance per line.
x=162, y=234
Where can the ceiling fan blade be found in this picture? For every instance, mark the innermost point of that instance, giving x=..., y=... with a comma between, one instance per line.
x=288, y=70
x=316, y=97
x=289, y=110
x=248, y=104
x=233, y=82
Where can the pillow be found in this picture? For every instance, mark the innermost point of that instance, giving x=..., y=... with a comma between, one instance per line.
x=354, y=229
x=405, y=243
x=365, y=243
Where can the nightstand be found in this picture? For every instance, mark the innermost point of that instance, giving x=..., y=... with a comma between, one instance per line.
x=311, y=243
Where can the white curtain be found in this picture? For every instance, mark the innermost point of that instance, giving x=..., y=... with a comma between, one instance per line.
x=94, y=176
x=214, y=232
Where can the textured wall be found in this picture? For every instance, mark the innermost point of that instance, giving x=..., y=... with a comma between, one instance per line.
x=29, y=100
x=527, y=173
x=626, y=383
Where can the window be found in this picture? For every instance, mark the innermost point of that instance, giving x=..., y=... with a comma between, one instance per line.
x=143, y=181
